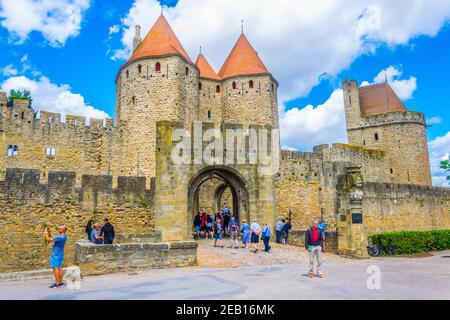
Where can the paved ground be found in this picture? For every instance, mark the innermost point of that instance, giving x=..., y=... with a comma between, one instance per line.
x=258, y=277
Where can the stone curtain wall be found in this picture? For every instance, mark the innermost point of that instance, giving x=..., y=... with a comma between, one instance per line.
x=308, y=180
x=27, y=206
x=393, y=207
x=131, y=256
x=95, y=149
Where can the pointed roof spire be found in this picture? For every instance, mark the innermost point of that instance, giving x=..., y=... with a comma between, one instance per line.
x=379, y=99
x=206, y=71
x=160, y=41
x=243, y=60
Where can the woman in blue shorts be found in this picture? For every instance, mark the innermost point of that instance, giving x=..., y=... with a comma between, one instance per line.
x=57, y=254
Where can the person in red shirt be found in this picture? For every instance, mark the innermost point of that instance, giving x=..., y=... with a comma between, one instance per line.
x=313, y=243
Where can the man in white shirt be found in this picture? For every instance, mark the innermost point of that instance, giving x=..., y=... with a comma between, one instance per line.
x=255, y=229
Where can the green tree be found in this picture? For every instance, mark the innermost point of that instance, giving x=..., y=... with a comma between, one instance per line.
x=445, y=165
x=20, y=94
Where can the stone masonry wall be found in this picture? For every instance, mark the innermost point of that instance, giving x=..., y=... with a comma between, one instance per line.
x=94, y=149
x=400, y=135
x=210, y=101
x=146, y=96
x=98, y=259
x=307, y=180
x=247, y=106
x=394, y=207
x=27, y=207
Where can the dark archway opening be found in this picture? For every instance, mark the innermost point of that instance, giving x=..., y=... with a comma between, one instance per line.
x=213, y=188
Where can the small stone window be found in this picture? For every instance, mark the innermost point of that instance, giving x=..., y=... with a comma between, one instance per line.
x=250, y=84
x=209, y=114
x=13, y=151
x=128, y=74
x=158, y=67
x=234, y=85
x=392, y=171
x=187, y=71
x=377, y=137
x=139, y=69
x=217, y=89
x=199, y=86
x=134, y=99
x=50, y=151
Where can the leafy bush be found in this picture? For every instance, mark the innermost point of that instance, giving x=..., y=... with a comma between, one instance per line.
x=409, y=242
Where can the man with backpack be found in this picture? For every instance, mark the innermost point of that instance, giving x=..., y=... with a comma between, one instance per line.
x=266, y=237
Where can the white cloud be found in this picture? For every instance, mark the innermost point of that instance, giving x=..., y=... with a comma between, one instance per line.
x=404, y=88
x=299, y=40
x=434, y=120
x=311, y=126
x=439, y=150
x=9, y=70
x=52, y=97
x=56, y=20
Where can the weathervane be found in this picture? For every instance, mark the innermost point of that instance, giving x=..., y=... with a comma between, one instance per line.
x=242, y=26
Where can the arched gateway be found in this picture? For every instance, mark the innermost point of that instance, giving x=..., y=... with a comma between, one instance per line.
x=227, y=177
x=177, y=185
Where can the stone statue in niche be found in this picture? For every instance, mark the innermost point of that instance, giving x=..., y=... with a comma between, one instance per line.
x=356, y=192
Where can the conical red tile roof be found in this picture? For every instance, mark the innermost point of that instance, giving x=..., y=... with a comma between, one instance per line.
x=206, y=71
x=160, y=41
x=379, y=99
x=243, y=60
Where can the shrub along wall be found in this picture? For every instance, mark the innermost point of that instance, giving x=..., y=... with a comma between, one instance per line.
x=408, y=242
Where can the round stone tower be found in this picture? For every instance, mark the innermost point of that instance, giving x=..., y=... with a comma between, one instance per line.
x=158, y=83
x=249, y=90
x=378, y=119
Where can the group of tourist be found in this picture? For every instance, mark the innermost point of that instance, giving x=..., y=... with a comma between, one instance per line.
x=224, y=224
x=98, y=234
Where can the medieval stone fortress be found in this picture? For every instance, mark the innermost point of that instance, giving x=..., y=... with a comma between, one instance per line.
x=55, y=172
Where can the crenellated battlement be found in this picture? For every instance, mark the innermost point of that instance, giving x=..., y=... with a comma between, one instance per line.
x=337, y=152
x=374, y=190
x=20, y=114
x=390, y=118
x=24, y=184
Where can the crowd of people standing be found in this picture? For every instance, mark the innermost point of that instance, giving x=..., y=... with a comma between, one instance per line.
x=225, y=224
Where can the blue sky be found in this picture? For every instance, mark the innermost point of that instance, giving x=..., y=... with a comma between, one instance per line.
x=74, y=59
